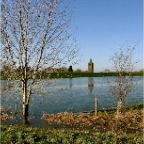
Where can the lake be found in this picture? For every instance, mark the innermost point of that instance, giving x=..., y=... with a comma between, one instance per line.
x=68, y=95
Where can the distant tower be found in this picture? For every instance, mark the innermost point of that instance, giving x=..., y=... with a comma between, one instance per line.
x=91, y=66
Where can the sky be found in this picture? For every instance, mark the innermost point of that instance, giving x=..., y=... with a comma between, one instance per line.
x=104, y=26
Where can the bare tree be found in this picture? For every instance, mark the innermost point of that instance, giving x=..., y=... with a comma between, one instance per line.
x=122, y=83
x=34, y=35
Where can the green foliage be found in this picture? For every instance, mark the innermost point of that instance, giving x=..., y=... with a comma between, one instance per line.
x=70, y=69
x=18, y=135
x=45, y=75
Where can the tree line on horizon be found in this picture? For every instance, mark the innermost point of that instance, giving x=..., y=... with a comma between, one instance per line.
x=62, y=72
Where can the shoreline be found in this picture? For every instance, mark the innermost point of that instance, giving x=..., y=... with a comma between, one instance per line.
x=136, y=106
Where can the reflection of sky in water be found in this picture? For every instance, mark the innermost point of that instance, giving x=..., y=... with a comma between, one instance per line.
x=72, y=95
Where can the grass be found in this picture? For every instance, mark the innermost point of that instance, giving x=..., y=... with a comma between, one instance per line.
x=84, y=128
x=19, y=135
x=137, y=106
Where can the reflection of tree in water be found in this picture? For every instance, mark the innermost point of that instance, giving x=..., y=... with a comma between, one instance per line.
x=70, y=82
x=90, y=84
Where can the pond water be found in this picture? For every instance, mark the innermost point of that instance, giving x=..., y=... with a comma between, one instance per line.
x=68, y=95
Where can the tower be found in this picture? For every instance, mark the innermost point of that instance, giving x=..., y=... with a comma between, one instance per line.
x=90, y=66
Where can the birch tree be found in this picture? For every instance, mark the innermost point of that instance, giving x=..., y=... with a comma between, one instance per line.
x=34, y=35
x=122, y=83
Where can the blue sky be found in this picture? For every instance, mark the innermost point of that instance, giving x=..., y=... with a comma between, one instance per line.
x=103, y=26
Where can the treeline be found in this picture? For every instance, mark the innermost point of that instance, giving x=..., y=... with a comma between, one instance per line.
x=62, y=72
x=59, y=74
x=77, y=74
x=82, y=74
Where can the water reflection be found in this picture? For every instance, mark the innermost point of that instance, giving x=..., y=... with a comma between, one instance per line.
x=70, y=82
x=90, y=84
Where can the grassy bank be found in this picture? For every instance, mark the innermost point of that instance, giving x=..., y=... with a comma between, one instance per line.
x=83, y=128
x=19, y=135
x=137, y=106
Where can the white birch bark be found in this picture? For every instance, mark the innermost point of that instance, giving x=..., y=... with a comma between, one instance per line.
x=34, y=36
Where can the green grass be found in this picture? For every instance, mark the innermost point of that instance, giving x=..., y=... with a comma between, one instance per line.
x=19, y=135
x=137, y=106
x=28, y=135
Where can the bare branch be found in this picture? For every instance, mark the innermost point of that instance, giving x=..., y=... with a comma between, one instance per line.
x=34, y=36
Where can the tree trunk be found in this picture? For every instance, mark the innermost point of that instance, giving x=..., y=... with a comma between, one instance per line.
x=25, y=114
x=119, y=109
x=25, y=110
x=25, y=104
